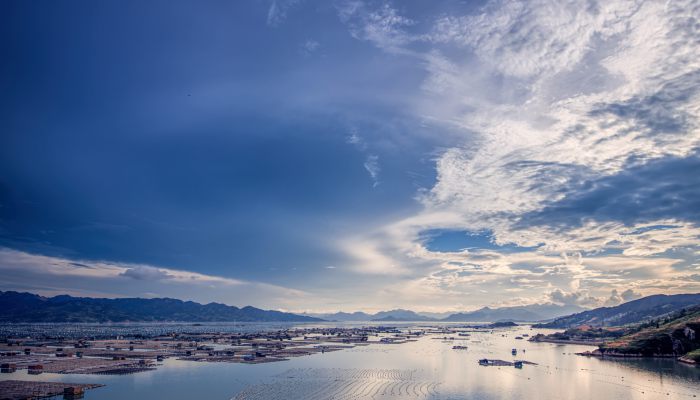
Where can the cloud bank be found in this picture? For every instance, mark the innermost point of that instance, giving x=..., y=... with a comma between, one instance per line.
x=579, y=142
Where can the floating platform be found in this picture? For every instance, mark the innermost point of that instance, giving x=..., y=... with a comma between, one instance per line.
x=502, y=363
x=25, y=390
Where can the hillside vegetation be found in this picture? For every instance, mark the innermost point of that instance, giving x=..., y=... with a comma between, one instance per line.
x=675, y=335
x=633, y=312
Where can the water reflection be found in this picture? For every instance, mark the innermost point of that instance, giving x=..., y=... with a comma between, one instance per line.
x=429, y=368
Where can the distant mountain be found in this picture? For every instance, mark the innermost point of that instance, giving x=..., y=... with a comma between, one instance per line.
x=530, y=313
x=631, y=312
x=534, y=312
x=400, y=315
x=343, y=316
x=392, y=315
x=28, y=307
x=436, y=315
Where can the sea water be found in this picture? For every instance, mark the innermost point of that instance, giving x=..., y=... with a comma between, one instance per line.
x=428, y=368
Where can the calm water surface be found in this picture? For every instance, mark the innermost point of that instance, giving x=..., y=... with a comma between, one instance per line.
x=429, y=368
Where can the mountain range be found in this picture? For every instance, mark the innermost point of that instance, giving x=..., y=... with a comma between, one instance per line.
x=530, y=313
x=28, y=307
x=392, y=315
x=534, y=312
x=635, y=311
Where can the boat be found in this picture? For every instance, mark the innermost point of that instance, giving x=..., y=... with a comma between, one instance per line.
x=518, y=364
x=484, y=361
x=459, y=347
x=514, y=351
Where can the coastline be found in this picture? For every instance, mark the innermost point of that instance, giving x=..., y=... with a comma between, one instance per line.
x=535, y=339
x=616, y=355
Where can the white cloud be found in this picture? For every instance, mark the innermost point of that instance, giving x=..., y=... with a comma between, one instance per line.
x=371, y=163
x=372, y=166
x=368, y=259
x=277, y=12
x=384, y=26
x=356, y=140
x=55, y=275
x=550, y=97
x=310, y=46
x=617, y=298
x=535, y=147
x=526, y=38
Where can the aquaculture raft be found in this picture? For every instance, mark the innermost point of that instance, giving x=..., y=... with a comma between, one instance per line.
x=25, y=390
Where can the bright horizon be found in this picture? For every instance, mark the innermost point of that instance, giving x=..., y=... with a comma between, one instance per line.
x=351, y=155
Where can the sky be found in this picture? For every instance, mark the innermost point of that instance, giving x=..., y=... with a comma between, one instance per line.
x=317, y=156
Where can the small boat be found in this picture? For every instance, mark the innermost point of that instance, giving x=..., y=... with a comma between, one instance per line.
x=484, y=361
x=518, y=364
x=518, y=338
x=459, y=347
x=514, y=351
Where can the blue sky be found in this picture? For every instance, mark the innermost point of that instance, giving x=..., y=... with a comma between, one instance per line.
x=344, y=155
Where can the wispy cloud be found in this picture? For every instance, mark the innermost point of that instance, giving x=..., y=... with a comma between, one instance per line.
x=355, y=139
x=277, y=12
x=371, y=163
x=65, y=275
x=579, y=139
x=560, y=139
x=382, y=25
x=372, y=166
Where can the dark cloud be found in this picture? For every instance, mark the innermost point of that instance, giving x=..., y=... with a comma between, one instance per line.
x=146, y=274
x=667, y=188
x=619, y=298
x=204, y=163
x=659, y=113
x=79, y=265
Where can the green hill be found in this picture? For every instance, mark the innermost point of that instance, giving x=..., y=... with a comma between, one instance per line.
x=633, y=312
x=673, y=336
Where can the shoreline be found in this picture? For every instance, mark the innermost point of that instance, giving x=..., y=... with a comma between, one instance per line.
x=562, y=341
x=615, y=355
